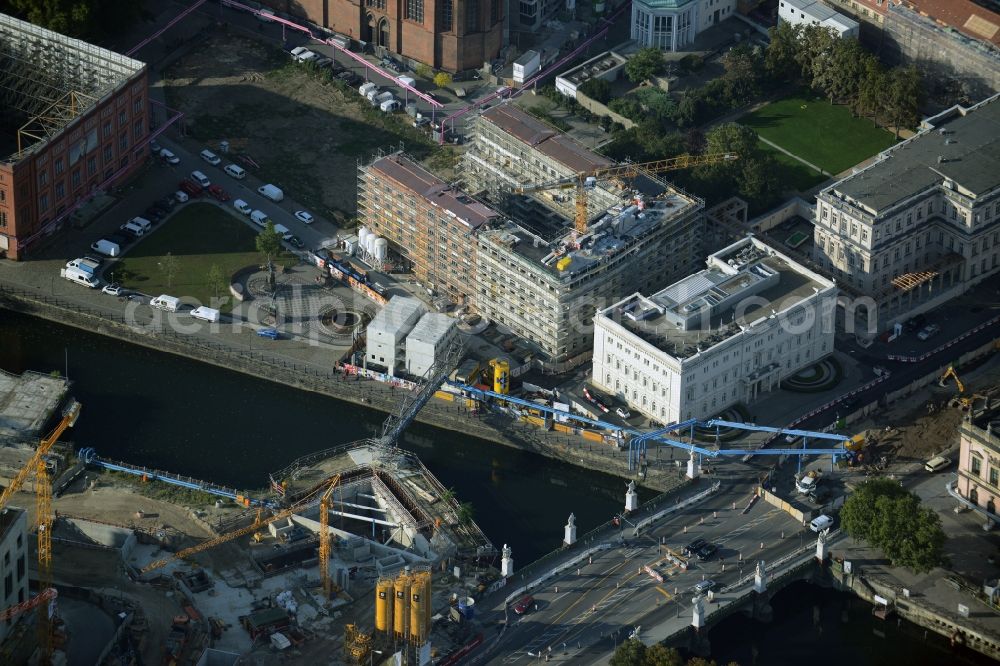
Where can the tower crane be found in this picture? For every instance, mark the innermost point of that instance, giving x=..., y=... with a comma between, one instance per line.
x=259, y=522
x=586, y=180
x=43, y=521
x=324, y=537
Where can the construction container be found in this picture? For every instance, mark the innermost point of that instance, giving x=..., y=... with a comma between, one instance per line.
x=501, y=376
x=383, y=606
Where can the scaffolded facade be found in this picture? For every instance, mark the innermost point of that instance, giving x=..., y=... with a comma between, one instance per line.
x=73, y=118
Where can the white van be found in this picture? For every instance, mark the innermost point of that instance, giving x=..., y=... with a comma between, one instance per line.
x=283, y=231
x=180, y=196
x=106, y=248
x=80, y=277
x=820, y=523
x=86, y=265
x=133, y=229
x=365, y=88
x=141, y=222
x=236, y=171
x=200, y=178
x=390, y=105
x=164, y=302
x=207, y=314
x=270, y=191
x=259, y=217
x=210, y=157
x=242, y=206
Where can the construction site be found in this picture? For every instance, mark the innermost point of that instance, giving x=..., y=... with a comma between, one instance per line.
x=357, y=550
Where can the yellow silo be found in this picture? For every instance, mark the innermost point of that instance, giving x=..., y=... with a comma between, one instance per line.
x=383, y=606
x=417, y=603
x=401, y=605
x=427, y=606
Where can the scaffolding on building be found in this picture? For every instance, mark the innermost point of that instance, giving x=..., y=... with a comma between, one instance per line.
x=47, y=80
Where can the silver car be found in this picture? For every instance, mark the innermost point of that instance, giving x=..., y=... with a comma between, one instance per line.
x=703, y=586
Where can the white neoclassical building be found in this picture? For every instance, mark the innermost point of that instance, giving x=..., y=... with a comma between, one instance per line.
x=670, y=25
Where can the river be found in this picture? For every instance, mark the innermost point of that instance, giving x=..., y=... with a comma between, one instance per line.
x=164, y=411
x=814, y=626
x=168, y=412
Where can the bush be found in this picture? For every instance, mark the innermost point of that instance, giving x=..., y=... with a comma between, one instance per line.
x=424, y=71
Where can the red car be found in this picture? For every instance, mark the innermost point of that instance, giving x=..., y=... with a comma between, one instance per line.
x=217, y=192
x=191, y=187
x=524, y=605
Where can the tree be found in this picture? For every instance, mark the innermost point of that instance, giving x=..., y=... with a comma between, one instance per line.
x=442, y=79
x=871, y=90
x=661, y=655
x=216, y=280
x=169, y=267
x=597, y=89
x=645, y=64
x=78, y=18
x=842, y=79
x=688, y=108
x=269, y=246
x=630, y=653
x=903, y=97
x=731, y=138
x=780, y=58
x=741, y=78
x=815, y=46
x=890, y=518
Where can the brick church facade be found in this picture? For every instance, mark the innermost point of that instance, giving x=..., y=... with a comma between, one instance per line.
x=452, y=35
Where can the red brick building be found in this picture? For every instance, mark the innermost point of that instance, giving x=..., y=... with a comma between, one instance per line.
x=452, y=35
x=77, y=121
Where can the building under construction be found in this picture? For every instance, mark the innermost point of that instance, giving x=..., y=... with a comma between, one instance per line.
x=74, y=118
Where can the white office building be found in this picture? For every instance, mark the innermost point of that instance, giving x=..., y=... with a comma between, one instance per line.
x=725, y=335
x=814, y=12
x=670, y=25
x=13, y=561
x=428, y=342
x=388, y=330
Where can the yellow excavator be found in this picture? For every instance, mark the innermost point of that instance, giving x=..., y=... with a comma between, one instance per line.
x=961, y=400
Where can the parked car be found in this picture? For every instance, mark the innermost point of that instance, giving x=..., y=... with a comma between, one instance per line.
x=190, y=187
x=113, y=289
x=623, y=412
x=297, y=51
x=323, y=61
x=210, y=157
x=936, y=464
x=707, y=552
x=694, y=546
x=524, y=605
x=703, y=586
x=120, y=239
x=269, y=333
x=155, y=148
x=350, y=78
x=304, y=216
x=242, y=206
x=153, y=213
x=820, y=523
x=168, y=202
x=168, y=157
x=296, y=242
x=181, y=196
x=929, y=331
x=219, y=193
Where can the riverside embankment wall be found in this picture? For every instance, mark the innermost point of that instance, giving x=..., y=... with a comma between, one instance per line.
x=496, y=428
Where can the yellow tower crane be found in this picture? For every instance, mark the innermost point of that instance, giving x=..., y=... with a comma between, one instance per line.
x=324, y=537
x=43, y=518
x=586, y=180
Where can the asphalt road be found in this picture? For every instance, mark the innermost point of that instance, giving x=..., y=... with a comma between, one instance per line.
x=583, y=614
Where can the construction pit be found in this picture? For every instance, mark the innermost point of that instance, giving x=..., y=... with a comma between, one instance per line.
x=261, y=593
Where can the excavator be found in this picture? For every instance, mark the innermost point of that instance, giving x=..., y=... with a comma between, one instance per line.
x=961, y=400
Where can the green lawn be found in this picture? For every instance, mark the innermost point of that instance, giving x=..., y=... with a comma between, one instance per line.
x=793, y=174
x=819, y=132
x=200, y=236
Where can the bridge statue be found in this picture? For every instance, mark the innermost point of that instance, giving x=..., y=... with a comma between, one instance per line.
x=631, y=497
x=507, y=561
x=760, y=578
x=569, y=536
x=822, y=550
x=698, y=612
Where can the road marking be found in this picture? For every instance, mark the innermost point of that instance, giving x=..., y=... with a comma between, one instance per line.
x=664, y=592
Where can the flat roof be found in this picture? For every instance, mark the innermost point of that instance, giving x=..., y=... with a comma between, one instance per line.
x=712, y=305
x=395, y=315
x=470, y=212
x=546, y=140
x=615, y=231
x=819, y=11
x=8, y=518
x=431, y=328
x=960, y=145
x=27, y=402
x=596, y=66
